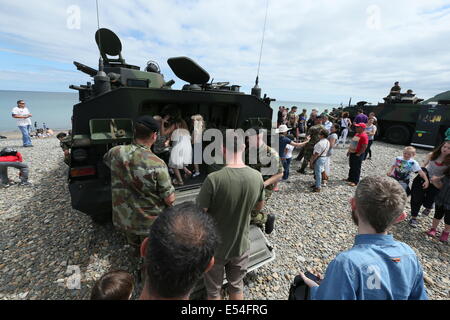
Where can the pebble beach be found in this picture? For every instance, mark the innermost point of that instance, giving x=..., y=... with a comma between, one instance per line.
x=43, y=241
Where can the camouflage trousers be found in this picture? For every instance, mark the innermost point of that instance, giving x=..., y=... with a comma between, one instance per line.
x=259, y=218
x=307, y=155
x=133, y=239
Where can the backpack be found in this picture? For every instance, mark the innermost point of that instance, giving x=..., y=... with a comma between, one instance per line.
x=299, y=290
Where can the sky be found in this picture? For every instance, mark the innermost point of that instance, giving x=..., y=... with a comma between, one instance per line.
x=314, y=50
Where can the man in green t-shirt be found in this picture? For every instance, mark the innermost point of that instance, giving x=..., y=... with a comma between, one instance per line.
x=229, y=196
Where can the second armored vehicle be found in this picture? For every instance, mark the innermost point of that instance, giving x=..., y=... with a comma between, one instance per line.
x=404, y=119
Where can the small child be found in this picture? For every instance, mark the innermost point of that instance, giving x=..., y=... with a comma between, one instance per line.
x=403, y=167
x=442, y=203
x=115, y=285
x=287, y=164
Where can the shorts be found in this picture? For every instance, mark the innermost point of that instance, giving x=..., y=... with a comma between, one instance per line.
x=235, y=270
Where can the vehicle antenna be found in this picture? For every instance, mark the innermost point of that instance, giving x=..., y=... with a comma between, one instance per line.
x=102, y=82
x=256, y=91
x=98, y=28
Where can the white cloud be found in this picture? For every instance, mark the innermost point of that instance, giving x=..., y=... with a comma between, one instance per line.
x=315, y=50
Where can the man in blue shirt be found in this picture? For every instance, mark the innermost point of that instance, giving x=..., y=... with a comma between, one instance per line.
x=377, y=267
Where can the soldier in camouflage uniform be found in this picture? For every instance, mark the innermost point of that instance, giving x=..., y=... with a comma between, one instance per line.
x=140, y=183
x=65, y=142
x=313, y=132
x=272, y=172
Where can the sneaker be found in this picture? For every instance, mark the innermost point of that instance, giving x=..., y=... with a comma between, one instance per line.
x=316, y=189
x=426, y=212
x=5, y=186
x=444, y=236
x=196, y=174
x=431, y=232
x=413, y=223
x=25, y=184
x=29, y=146
x=270, y=223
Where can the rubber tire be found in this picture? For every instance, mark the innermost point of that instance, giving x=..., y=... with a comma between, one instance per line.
x=398, y=135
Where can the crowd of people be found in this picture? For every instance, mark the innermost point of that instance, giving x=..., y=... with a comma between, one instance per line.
x=208, y=239
x=235, y=196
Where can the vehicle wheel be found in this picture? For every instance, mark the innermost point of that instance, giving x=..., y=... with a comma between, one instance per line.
x=398, y=135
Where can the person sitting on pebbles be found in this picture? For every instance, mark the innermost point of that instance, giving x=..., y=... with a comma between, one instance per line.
x=12, y=158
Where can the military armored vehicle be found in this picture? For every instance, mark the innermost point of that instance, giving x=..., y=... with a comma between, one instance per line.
x=404, y=119
x=120, y=94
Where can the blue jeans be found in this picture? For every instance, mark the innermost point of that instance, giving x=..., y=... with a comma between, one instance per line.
x=318, y=168
x=26, y=135
x=286, y=166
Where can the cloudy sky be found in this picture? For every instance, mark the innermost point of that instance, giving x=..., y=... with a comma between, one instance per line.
x=315, y=50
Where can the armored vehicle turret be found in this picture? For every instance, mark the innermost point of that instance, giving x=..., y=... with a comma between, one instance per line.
x=120, y=94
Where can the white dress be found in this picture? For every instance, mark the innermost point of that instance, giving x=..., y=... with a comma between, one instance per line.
x=181, y=154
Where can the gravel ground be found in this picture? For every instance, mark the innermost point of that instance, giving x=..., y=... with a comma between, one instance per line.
x=42, y=237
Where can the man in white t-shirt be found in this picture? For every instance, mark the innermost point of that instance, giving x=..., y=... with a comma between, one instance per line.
x=319, y=158
x=23, y=115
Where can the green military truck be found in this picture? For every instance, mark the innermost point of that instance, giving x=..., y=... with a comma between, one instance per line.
x=403, y=119
x=120, y=94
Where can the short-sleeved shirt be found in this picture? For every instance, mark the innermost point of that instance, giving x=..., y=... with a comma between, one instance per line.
x=404, y=168
x=328, y=125
x=140, y=182
x=22, y=112
x=288, y=151
x=322, y=147
x=361, y=118
x=284, y=141
x=371, y=129
x=358, y=141
x=376, y=268
x=335, y=137
x=230, y=195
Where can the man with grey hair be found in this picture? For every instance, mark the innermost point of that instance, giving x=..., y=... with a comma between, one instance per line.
x=377, y=267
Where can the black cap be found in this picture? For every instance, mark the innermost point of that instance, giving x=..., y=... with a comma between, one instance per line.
x=149, y=122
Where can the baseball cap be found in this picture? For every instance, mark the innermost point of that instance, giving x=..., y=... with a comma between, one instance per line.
x=362, y=125
x=149, y=122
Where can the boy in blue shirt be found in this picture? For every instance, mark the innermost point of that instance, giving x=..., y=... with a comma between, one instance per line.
x=377, y=267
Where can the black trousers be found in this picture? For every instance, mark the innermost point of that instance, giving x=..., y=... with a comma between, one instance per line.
x=355, y=162
x=440, y=213
x=422, y=197
x=368, y=151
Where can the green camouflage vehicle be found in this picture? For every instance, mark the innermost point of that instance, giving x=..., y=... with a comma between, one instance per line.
x=406, y=120
x=120, y=94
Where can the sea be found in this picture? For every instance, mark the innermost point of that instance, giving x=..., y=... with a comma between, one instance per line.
x=54, y=109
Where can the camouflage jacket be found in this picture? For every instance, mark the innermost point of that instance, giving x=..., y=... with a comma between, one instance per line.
x=66, y=143
x=314, y=133
x=140, y=182
x=272, y=167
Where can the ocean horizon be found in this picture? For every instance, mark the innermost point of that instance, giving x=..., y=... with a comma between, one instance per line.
x=55, y=108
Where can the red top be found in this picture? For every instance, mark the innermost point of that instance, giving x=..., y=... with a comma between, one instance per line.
x=16, y=158
x=358, y=141
x=363, y=139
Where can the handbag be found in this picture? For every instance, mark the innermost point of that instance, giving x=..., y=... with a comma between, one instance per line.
x=298, y=290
